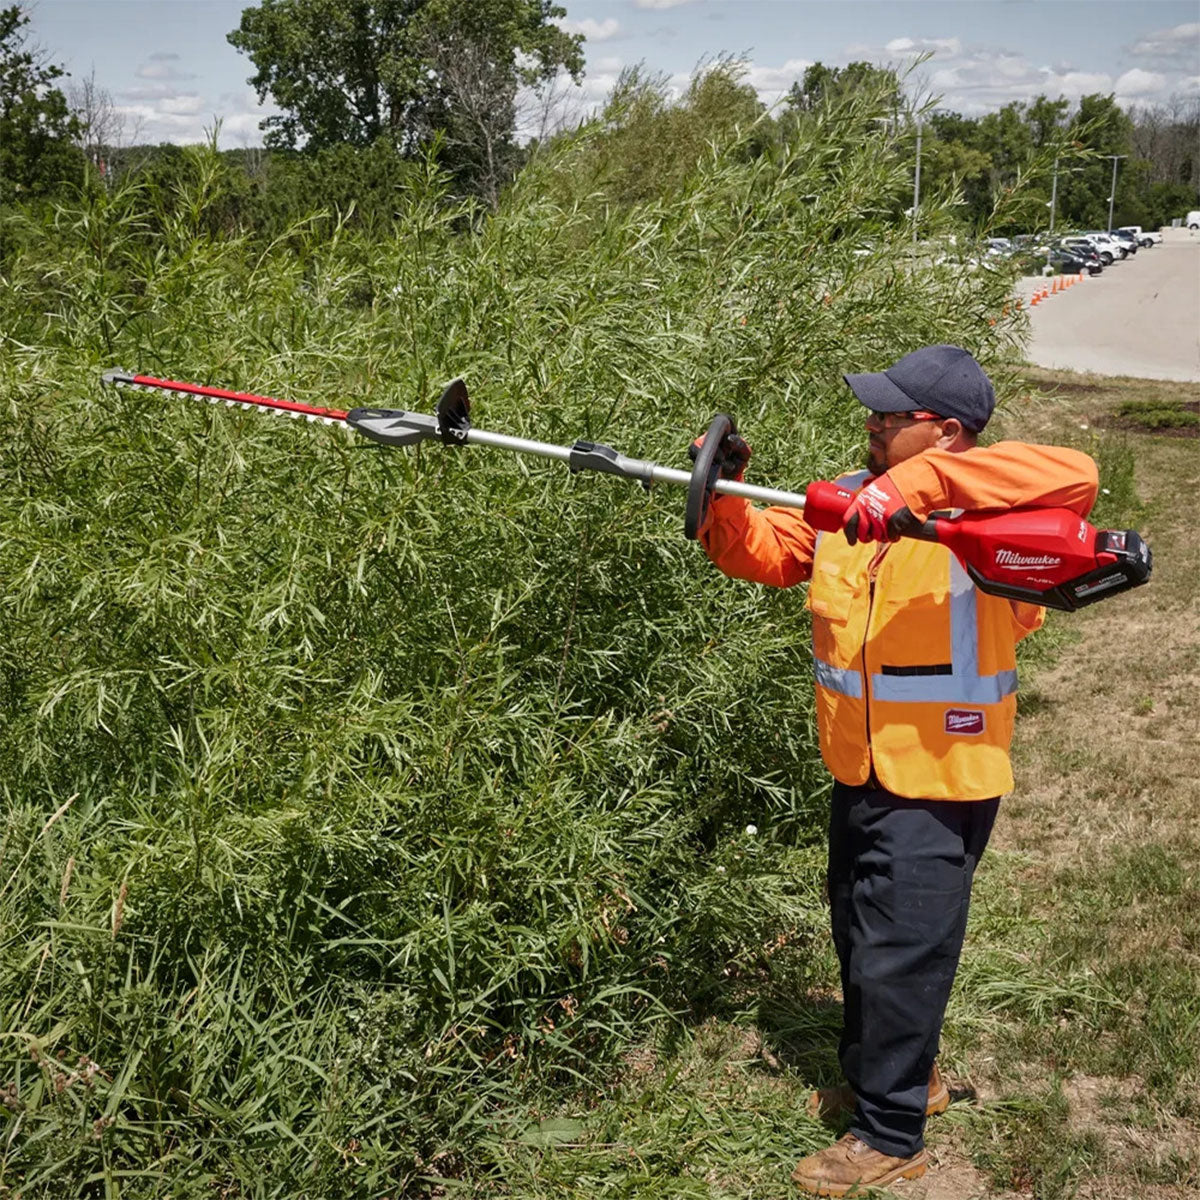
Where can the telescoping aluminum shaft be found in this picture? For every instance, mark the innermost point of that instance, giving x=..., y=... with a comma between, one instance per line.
x=452, y=426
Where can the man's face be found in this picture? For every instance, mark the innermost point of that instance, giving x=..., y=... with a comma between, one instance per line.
x=894, y=437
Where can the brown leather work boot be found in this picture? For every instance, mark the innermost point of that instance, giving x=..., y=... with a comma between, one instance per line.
x=835, y=1103
x=850, y=1164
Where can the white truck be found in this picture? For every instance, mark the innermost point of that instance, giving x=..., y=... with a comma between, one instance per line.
x=1145, y=237
x=1192, y=220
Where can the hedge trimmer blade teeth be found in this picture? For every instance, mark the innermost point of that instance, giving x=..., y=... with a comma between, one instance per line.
x=119, y=377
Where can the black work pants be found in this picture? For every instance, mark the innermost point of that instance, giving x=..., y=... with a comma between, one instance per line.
x=900, y=874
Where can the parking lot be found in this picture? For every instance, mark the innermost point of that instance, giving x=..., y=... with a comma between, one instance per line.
x=1140, y=317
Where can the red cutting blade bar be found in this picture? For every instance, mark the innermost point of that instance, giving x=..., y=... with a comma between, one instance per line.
x=269, y=402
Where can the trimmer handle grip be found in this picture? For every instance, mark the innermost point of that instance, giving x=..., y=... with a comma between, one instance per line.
x=825, y=506
x=705, y=472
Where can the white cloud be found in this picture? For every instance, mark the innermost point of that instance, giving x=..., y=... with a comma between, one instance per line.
x=911, y=47
x=1138, y=84
x=1014, y=67
x=773, y=83
x=182, y=106
x=1179, y=46
x=162, y=113
x=945, y=80
x=976, y=79
x=1076, y=83
x=163, y=64
x=240, y=130
x=594, y=31
x=662, y=3
x=151, y=93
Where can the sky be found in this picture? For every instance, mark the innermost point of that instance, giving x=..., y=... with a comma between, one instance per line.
x=171, y=73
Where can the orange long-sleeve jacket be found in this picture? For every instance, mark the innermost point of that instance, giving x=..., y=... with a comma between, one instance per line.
x=914, y=668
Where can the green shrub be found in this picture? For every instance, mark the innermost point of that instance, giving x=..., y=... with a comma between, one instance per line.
x=1158, y=414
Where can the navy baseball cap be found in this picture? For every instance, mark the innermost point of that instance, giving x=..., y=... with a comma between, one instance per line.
x=940, y=379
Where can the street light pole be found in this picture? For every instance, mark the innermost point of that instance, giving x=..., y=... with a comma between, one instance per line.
x=1113, y=194
x=917, y=183
x=1054, y=195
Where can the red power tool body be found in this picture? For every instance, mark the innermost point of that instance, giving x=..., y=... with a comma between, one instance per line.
x=1049, y=556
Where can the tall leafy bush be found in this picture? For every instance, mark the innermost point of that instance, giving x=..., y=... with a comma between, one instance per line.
x=354, y=796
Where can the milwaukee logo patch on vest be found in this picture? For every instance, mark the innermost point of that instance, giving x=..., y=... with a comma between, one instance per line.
x=964, y=720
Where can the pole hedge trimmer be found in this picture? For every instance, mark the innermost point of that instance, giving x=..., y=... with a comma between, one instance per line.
x=1049, y=556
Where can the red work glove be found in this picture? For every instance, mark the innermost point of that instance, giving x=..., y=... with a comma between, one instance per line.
x=734, y=454
x=878, y=513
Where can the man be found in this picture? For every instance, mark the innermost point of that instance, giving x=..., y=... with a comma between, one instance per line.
x=915, y=678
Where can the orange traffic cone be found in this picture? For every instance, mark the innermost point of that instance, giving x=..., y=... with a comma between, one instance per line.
x=1035, y=299
x=1080, y=276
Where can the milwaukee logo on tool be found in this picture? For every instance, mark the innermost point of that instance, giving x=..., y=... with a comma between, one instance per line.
x=1018, y=562
x=964, y=720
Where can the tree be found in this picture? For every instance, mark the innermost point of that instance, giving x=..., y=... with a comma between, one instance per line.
x=947, y=162
x=1101, y=127
x=648, y=143
x=100, y=127
x=357, y=70
x=36, y=124
x=1047, y=120
x=829, y=85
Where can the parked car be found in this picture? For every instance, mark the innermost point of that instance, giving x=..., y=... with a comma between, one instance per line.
x=1127, y=239
x=1084, y=251
x=1192, y=220
x=1066, y=262
x=1036, y=242
x=1107, y=253
x=997, y=247
x=1100, y=239
x=1145, y=237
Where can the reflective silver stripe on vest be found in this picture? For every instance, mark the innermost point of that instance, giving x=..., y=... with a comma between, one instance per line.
x=964, y=685
x=837, y=679
x=843, y=680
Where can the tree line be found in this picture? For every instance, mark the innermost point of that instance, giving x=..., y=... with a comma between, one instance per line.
x=368, y=88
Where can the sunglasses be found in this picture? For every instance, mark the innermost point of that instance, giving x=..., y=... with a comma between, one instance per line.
x=917, y=414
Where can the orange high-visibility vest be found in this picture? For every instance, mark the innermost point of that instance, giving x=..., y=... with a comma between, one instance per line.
x=914, y=668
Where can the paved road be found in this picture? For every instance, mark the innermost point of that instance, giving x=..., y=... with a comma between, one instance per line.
x=1140, y=317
